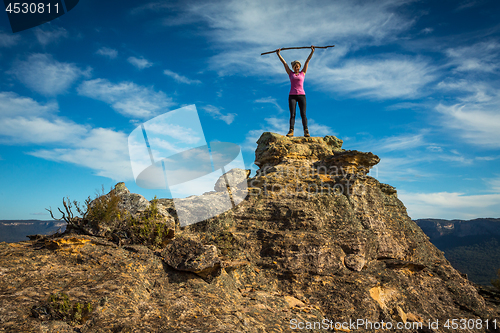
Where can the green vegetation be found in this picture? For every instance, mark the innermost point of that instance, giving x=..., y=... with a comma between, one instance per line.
x=61, y=308
x=103, y=216
x=103, y=208
x=149, y=229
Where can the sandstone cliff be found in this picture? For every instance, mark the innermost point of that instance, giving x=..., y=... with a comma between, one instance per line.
x=316, y=244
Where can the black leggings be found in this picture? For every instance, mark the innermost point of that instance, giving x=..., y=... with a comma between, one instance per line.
x=292, y=102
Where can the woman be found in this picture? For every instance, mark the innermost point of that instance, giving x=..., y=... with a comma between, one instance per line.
x=297, y=93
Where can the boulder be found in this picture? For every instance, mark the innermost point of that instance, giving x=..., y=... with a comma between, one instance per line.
x=235, y=178
x=190, y=255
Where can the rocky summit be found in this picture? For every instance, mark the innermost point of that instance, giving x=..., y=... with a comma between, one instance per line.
x=315, y=245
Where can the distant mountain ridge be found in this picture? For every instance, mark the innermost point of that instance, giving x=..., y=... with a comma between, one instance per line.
x=471, y=246
x=17, y=230
x=437, y=228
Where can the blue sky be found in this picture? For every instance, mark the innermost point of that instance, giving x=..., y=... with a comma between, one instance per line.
x=415, y=82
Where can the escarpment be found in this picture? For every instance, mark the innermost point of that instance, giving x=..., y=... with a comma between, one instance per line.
x=317, y=243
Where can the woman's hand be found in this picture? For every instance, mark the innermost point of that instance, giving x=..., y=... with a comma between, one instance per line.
x=278, y=51
x=312, y=48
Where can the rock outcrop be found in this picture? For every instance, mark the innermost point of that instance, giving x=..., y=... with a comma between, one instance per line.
x=317, y=244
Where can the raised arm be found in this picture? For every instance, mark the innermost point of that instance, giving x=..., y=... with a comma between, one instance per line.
x=288, y=71
x=306, y=64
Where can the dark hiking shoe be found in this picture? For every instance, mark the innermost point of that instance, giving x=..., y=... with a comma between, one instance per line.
x=306, y=133
x=290, y=133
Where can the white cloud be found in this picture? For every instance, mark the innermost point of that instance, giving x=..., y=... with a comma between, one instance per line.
x=244, y=29
x=25, y=121
x=181, y=133
x=394, y=77
x=480, y=57
x=316, y=129
x=102, y=150
x=402, y=142
x=216, y=114
x=152, y=7
x=140, y=63
x=479, y=92
x=467, y=4
x=476, y=123
x=50, y=34
x=38, y=130
x=494, y=184
x=450, y=205
x=43, y=74
x=107, y=52
x=13, y=105
x=8, y=40
x=180, y=78
x=270, y=100
x=271, y=22
x=487, y=158
x=127, y=98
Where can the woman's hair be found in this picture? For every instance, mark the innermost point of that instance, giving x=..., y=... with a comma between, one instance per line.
x=296, y=62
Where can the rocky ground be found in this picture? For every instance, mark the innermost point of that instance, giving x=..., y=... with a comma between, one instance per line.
x=316, y=244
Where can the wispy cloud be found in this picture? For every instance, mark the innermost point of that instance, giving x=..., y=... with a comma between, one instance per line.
x=107, y=52
x=402, y=142
x=127, y=98
x=13, y=105
x=157, y=6
x=8, y=40
x=478, y=124
x=49, y=34
x=249, y=28
x=45, y=75
x=251, y=22
x=103, y=150
x=494, y=184
x=480, y=57
x=140, y=63
x=38, y=130
x=217, y=114
x=487, y=158
x=450, y=205
x=392, y=77
x=467, y=4
x=469, y=90
x=28, y=122
x=270, y=100
x=180, y=78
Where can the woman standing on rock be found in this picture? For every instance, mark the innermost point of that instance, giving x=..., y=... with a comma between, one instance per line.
x=297, y=93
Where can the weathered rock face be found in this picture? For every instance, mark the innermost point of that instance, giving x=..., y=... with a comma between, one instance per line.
x=316, y=239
